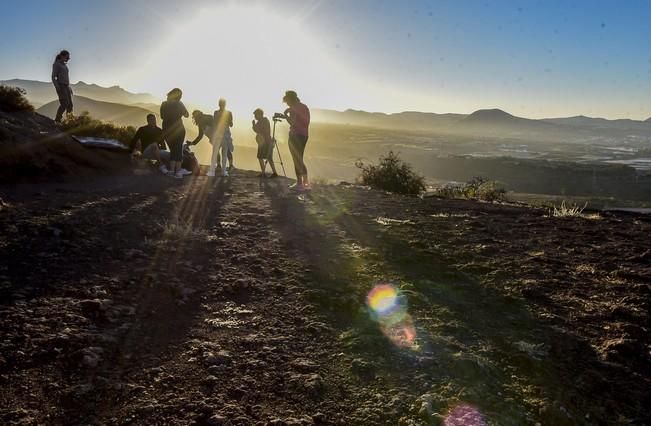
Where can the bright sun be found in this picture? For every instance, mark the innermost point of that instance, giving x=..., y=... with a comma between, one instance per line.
x=248, y=55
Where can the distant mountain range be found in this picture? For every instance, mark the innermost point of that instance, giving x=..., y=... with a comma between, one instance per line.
x=125, y=115
x=120, y=106
x=490, y=122
x=40, y=93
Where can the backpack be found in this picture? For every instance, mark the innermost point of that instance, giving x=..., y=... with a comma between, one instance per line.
x=190, y=161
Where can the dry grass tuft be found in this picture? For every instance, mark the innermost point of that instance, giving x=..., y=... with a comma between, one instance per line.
x=565, y=210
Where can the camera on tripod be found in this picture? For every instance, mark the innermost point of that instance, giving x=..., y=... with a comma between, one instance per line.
x=279, y=117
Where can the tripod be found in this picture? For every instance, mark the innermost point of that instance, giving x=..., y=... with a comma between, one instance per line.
x=275, y=146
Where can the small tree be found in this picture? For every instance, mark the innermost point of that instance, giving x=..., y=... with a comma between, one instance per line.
x=12, y=99
x=478, y=188
x=392, y=174
x=85, y=125
x=481, y=188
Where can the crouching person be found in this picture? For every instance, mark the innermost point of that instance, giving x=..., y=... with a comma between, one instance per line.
x=149, y=141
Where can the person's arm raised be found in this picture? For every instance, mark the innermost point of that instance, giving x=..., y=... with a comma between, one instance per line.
x=290, y=116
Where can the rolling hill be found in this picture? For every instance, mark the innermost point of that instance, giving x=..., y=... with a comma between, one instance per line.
x=411, y=120
x=40, y=93
x=582, y=121
x=125, y=115
x=484, y=122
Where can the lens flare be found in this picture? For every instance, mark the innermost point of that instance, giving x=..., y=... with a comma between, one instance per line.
x=383, y=299
x=464, y=415
x=389, y=309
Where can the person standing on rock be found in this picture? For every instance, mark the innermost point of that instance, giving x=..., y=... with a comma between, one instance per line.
x=172, y=112
x=223, y=121
x=61, y=82
x=262, y=129
x=298, y=117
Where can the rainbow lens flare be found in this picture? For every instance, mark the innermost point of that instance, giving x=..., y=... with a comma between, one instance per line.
x=464, y=415
x=383, y=299
x=389, y=309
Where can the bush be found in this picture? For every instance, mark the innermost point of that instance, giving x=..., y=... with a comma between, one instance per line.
x=85, y=125
x=478, y=188
x=392, y=174
x=12, y=99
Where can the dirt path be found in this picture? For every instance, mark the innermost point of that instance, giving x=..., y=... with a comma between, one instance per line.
x=148, y=301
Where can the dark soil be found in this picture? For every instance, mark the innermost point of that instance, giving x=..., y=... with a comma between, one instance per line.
x=145, y=300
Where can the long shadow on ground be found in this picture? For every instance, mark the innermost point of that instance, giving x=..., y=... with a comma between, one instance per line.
x=475, y=344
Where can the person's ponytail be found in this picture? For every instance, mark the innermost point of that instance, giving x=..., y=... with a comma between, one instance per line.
x=61, y=55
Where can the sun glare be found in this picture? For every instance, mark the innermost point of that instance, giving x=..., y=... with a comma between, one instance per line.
x=248, y=55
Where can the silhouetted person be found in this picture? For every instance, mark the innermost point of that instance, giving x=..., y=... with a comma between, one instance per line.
x=172, y=112
x=61, y=81
x=204, y=123
x=223, y=141
x=262, y=129
x=298, y=116
x=150, y=141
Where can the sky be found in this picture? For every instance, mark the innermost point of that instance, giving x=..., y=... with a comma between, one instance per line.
x=531, y=58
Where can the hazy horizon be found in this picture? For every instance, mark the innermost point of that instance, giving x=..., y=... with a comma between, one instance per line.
x=531, y=60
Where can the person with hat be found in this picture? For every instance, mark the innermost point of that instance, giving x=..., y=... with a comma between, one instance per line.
x=298, y=117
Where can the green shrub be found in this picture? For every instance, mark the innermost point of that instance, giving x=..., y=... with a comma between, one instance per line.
x=392, y=174
x=478, y=188
x=12, y=99
x=85, y=125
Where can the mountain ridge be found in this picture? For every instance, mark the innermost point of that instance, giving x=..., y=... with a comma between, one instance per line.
x=40, y=92
x=116, y=113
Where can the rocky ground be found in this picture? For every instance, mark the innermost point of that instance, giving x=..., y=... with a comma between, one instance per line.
x=211, y=301
x=33, y=148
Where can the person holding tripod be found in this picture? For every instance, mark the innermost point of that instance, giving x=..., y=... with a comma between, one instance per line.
x=262, y=129
x=298, y=117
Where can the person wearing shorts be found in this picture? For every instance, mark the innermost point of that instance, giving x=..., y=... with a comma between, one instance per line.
x=298, y=117
x=263, y=138
x=172, y=112
x=222, y=123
